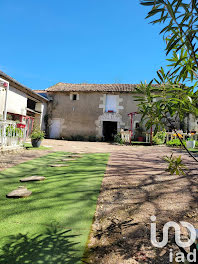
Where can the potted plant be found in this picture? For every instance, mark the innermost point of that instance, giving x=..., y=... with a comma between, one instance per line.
x=140, y=134
x=36, y=137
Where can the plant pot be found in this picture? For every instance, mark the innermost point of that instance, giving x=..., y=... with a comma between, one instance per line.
x=20, y=125
x=36, y=143
x=190, y=144
x=141, y=139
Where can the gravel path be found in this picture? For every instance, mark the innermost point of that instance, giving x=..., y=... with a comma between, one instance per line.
x=134, y=188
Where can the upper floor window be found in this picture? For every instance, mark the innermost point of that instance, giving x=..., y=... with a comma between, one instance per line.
x=111, y=103
x=31, y=104
x=74, y=96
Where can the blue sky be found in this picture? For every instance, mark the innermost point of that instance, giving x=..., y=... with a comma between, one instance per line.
x=74, y=41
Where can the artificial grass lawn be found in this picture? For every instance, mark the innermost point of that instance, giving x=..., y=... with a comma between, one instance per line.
x=140, y=143
x=52, y=225
x=195, y=150
x=29, y=146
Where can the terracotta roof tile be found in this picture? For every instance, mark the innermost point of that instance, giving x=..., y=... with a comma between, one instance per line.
x=87, y=87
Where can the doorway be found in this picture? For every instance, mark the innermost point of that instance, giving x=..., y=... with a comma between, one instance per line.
x=55, y=128
x=109, y=130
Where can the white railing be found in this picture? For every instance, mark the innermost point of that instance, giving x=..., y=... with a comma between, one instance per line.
x=126, y=136
x=11, y=135
x=148, y=137
x=184, y=136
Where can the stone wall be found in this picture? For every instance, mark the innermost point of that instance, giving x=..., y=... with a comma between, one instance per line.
x=86, y=114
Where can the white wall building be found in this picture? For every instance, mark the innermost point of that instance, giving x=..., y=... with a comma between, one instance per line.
x=23, y=104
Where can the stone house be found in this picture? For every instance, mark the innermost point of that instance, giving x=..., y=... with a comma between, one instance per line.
x=99, y=110
x=23, y=104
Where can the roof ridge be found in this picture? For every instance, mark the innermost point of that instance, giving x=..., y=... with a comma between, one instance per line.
x=92, y=87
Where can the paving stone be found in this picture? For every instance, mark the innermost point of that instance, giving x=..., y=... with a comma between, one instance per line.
x=19, y=193
x=33, y=178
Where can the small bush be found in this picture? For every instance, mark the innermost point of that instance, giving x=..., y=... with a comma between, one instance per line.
x=77, y=138
x=13, y=131
x=92, y=138
x=118, y=139
x=159, y=138
x=175, y=165
x=37, y=134
x=175, y=143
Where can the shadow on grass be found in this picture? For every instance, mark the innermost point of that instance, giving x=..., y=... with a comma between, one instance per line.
x=53, y=246
x=29, y=146
x=67, y=197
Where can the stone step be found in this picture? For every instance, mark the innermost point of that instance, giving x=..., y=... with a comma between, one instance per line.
x=21, y=192
x=59, y=165
x=33, y=178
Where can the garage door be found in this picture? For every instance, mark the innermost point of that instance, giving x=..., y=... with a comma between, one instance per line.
x=55, y=128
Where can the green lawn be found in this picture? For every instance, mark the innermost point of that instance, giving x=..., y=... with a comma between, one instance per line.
x=195, y=150
x=29, y=146
x=140, y=143
x=52, y=225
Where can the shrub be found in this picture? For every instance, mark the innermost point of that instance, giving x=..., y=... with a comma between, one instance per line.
x=77, y=138
x=175, y=143
x=118, y=139
x=175, y=165
x=159, y=138
x=92, y=138
x=37, y=134
x=14, y=131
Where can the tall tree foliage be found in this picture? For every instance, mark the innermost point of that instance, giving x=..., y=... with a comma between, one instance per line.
x=161, y=104
x=180, y=30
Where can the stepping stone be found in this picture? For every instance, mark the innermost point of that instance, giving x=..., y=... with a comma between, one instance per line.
x=59, y=165
x=33, y=178
x=69, y=159
x=19, y=193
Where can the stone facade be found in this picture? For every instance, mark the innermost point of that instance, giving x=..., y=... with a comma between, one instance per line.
x=85, y=115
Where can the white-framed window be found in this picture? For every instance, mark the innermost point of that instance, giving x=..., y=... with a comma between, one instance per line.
x=111, y=103
x=136, y=124
x=74, y=96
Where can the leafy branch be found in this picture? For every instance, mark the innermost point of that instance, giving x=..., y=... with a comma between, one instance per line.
x=181, y=27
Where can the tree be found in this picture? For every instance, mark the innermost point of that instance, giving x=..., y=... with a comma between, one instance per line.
x=180, y=20
x=165, y=103
x=169, y=99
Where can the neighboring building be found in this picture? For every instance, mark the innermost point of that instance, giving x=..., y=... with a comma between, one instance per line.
x=23, y=104
x=90, y=109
